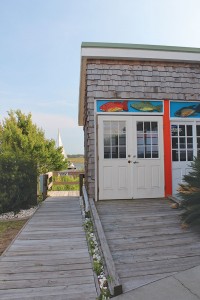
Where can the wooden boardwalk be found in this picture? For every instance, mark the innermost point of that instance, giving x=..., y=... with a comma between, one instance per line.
x=49, y=259
x=146, y=240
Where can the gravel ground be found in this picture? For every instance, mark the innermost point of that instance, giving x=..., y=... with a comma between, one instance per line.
x=23, y=214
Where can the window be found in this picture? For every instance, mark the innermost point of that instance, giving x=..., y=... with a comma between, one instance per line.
x=198, y=139
x=114, y=139
x=182, y=142
x=147, y=140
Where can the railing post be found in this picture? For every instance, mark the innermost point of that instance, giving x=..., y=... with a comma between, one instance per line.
x=81, y=176
x=45, y=179
x=43, y=185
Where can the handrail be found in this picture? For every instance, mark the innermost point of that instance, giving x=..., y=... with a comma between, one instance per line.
x=46, y=180
x=85, y=199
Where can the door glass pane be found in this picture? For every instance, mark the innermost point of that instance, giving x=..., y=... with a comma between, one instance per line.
x=106, y=127
x=198, y=139
x=182, y=155
x=189, y=143
x=182, y=143
x=148, y=140
x=174, y=130
x=114, y=139
x=198, y=142
x=122, y=139
x=122, y=152
x=155, y=151
x=107, y=152
x=114, y=127
x=148, y=152
x=174, y=143
x=190, y=155
x=107, y=140
x=122, y=128
x=140, y=140
x=175, y=155
x=155, y=140
x=139, y=126
x=114, y=152
x=154, y=126
x=140, y=151
x=146, y=127
x=189, y=130
x=181, y=130
x=198, y=130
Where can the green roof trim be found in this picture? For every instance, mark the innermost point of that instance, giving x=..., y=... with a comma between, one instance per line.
x=140, y=47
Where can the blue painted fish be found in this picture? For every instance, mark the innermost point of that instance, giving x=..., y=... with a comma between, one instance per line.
x=185, y=112
x=146, y=106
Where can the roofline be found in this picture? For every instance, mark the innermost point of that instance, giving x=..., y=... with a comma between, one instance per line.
x=107, y=51
x=140, y=47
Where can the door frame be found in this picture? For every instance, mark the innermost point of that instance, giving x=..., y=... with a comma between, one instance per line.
x=130, y=119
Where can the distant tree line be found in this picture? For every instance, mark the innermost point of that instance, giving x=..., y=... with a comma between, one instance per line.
x=24, y=154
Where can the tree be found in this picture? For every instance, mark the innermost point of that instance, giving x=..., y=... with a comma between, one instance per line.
x=18, y=177
x=19, y=136
x=190, y=192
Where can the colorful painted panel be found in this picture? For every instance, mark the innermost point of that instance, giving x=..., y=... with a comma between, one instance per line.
x=184, y=109
x=130, y=106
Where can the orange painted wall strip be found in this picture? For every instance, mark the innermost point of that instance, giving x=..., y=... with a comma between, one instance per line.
x=167, y=149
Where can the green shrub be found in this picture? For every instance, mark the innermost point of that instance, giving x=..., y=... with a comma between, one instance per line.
x=190, y=192
x=18, y=178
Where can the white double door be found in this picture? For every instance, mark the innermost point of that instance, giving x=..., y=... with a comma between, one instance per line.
x=130, y=157
x=185, y=137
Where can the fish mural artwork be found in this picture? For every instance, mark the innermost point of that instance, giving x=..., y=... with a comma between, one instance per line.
x=188, y=111
x=146, y=106
x=114, y=106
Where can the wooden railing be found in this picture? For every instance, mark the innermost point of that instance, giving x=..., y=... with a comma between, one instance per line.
x=47, y=182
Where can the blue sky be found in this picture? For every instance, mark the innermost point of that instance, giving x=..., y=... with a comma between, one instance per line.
x=40, y=42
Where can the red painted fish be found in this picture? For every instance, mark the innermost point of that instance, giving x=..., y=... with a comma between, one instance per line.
x=114, y=106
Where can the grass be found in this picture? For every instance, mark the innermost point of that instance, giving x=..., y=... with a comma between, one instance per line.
x=65, y=186
x=8, y=231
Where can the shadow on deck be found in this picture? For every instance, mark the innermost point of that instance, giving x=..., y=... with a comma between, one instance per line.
x=146, y=240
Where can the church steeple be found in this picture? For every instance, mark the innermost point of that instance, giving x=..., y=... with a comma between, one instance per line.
x=60, y=144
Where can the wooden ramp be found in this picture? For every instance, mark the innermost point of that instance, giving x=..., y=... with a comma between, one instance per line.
x=49, y=259
x=146, y=240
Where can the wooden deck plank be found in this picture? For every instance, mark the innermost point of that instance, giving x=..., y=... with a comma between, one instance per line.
x=69, y=291
x=146, y=240
x=49, y=259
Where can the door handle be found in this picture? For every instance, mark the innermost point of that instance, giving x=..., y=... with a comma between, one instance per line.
x=136, y=162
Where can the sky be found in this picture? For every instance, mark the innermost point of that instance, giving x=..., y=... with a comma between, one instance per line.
x=40, y=48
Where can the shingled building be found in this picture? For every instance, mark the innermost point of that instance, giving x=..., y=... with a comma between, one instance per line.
x=139, y=106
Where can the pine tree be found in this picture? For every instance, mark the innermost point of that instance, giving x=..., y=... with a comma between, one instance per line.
x=190, y=193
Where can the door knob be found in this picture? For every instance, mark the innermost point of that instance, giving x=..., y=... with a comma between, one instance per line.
x=129, y=161
x=136, y=162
